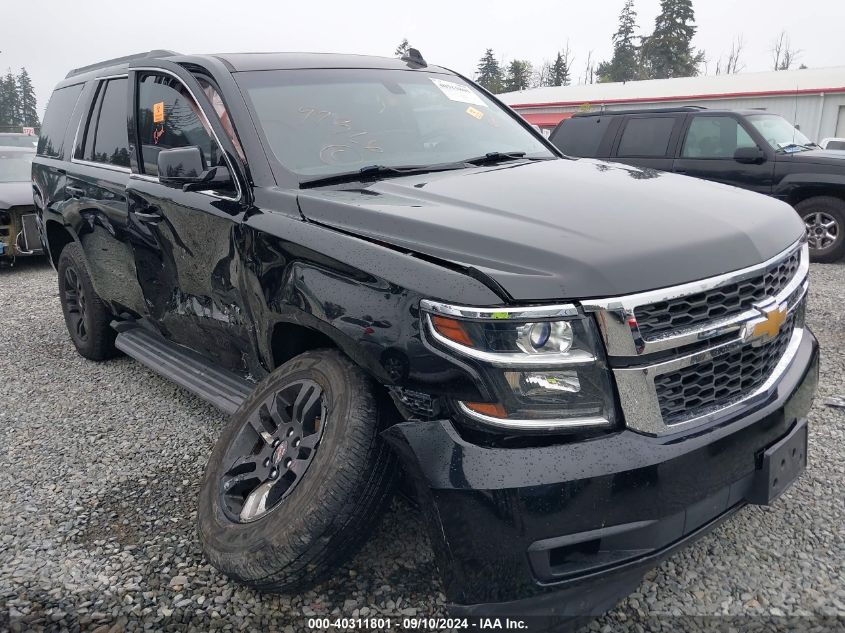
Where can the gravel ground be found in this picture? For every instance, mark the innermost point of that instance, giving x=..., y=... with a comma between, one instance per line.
x=99, y=472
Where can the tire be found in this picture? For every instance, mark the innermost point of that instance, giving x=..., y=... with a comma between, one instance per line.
x=326, y=503
x=824, y=217
x=87, y=318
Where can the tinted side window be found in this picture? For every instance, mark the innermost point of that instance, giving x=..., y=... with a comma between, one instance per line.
x=56, y=119
x=111, y=141
x=715, y=137
x=168, y=117
x=646, y=136
x=581, y=136
x=105, y=137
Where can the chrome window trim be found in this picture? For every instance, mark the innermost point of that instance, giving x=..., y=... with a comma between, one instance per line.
x=566, y=310
x=109, y=166
x=85, y=117
x=621, y=334
x=229, y=163
x=511, y=359
x=534, y=425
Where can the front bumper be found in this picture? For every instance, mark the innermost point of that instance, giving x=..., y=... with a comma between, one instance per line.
x=568, y=530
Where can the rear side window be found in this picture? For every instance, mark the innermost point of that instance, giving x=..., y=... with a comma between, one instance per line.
x=168, y=117
x=581, y=136
x=56, y=119
x=106, y=139
x=646, y=137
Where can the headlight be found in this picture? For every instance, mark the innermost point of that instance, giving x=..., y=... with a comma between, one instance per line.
x=544, y=363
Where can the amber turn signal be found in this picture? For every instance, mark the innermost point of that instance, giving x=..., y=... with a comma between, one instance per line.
x=452, y=329
x=494, y=410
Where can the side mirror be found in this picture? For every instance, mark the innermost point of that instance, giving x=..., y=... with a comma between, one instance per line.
x=185, y=167
x=749, y=155
x=180, y=165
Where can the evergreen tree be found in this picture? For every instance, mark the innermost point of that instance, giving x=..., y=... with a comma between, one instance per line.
x=4, y=106
x=518, y=76
x=489, y=72
x=10, y=103
x=402, y=48
x=625, y=63
x=561, y=69
x=28, y=104
x=668, y=51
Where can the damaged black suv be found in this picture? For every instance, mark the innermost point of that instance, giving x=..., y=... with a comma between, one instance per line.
x=382, y=272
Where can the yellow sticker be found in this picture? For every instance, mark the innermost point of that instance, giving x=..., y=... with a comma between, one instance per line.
x=158, y=112
x=478, y=114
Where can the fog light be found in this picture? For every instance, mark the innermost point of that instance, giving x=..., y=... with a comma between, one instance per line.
x=539, y=383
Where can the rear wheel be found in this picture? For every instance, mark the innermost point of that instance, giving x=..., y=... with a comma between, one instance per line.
x=87, y=318
x=299, y=477
x=824, y=217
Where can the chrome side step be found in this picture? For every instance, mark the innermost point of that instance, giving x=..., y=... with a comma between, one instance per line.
x=222, y=388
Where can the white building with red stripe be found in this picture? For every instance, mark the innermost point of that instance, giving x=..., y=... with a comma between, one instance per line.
x=813, y=98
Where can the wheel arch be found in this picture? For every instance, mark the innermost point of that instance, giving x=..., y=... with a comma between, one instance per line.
x=58, y=237
x=796, y=188
x=292, y=339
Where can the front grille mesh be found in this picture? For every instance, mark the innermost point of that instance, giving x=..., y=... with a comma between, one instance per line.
x=659, y=319
x=688, y=392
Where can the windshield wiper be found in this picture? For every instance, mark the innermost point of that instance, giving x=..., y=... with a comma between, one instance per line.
x=375, y=172
x=494, y=157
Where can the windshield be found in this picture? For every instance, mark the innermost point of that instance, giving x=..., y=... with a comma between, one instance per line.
x=332, y=121
x=15, y=166
x=18, y=140
x=780, y=133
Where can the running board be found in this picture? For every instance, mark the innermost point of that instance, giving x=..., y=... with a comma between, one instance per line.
x=224, y=389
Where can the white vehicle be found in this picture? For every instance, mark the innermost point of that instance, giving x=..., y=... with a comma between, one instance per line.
x=833, y=143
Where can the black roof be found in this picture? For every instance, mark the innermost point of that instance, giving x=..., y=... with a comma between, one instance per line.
x=287, y=61
x=675, y=110
x=237, y=62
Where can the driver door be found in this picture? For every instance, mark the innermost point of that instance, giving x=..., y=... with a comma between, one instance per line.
x=708, y=148
x=184, y=241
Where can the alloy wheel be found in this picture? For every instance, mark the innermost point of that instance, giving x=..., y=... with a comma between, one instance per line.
x=271, y=453
x=76, y=304
x=822, y=229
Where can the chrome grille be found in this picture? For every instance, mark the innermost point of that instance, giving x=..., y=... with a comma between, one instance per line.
x=657, y=319
x=691, y=391
x=692, y=353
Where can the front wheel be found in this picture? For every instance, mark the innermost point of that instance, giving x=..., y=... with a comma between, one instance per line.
x=824, y=217
x=299, y=476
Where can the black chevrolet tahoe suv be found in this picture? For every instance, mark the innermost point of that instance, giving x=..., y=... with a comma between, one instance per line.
x=383, y=274
x=751, y=149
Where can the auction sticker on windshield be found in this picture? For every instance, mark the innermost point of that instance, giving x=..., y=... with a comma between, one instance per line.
x=458, y=92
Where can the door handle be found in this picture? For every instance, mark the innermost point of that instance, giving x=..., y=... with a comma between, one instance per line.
x=150, y=214
x=75, y=192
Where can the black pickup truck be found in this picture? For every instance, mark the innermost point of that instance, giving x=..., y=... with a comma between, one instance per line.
x=382, y=272
x=755, y=150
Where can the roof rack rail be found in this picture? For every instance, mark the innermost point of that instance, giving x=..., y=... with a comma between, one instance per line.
x=120, y=60
x=689, y=108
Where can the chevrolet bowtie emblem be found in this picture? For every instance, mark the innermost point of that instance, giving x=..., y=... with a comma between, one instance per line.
x=775, y=317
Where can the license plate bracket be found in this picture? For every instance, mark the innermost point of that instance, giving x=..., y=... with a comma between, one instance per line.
x=782, y=463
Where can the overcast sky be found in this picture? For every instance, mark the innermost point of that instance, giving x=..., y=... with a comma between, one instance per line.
x=50, y=37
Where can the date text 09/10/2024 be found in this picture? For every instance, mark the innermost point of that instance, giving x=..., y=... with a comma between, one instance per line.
x=429, y=624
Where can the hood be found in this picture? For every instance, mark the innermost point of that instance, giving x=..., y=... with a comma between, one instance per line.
x=15, y=194
x=819, y=157
x=566, y=229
